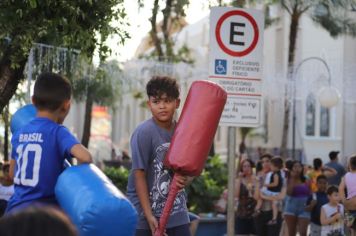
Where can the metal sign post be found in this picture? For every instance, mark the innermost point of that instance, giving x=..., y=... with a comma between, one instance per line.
x=231, y=181
x=235, y=63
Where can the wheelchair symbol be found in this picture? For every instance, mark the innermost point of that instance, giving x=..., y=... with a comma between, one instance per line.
x=220, y=67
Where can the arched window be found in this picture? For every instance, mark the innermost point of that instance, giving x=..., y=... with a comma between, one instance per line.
x=310, y=115
x=324, y=122
x=318, y=119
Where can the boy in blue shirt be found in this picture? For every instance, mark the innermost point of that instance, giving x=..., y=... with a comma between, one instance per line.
x=149, y=180
x=314, y=204
x=40, y=147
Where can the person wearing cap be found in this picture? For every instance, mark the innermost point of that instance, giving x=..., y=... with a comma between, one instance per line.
x=334, y=163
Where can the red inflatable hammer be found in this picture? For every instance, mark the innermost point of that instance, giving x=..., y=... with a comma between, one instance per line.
x=193, y=137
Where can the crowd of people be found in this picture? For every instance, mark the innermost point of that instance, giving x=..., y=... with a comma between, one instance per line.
x=287, y=197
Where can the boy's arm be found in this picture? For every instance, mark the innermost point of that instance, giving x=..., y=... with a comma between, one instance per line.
x=342, y=190
x=81, y=153
x=280, y=196
x=325, y=221
x=12, y=169
x=328, y=171
x=142, y=193
x=310, y=204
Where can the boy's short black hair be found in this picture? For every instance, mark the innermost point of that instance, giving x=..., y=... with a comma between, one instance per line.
x=352, y=162
x=317, y=163
x=332, y=189
x=289, y=164
x=321, y=177
x=159, y=85
x=50, y=91
x=333, y=155
x=277, y=162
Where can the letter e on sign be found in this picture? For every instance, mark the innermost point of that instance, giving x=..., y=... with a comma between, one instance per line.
x=237, y=23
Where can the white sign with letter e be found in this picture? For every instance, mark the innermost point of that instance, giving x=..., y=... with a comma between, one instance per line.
x=235, y=62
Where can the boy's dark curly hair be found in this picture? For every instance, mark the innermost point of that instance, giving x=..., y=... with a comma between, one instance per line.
x=352, y=162
x=332, y=189
x=159, y=85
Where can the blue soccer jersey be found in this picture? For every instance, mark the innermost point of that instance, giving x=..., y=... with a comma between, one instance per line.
x=39, y=150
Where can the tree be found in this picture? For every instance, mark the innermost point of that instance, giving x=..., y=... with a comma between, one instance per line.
x=332, y=16
x=99, y=85
x=161, y=33
x=83, y=25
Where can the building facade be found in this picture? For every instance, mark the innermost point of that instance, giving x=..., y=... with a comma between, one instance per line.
x=318, y=130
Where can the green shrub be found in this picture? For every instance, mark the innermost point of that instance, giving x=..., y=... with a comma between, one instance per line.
x=203, y=192
x=206, y=189
x=119, y=177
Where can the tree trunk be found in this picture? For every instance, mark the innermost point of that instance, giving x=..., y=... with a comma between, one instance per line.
x=6, y=133
x=154, y=34
x=293, y=34
x=239, y=3
x=87, y=119
x=166, y=29
x=9, y=78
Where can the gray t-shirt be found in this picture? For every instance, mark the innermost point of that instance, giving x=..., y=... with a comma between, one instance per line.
x=149, y=144
x=336, y=179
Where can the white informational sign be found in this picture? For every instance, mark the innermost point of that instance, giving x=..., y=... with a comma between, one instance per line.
x=235, y=62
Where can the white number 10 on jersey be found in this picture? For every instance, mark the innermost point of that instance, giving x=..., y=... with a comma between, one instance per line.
x=20, y=175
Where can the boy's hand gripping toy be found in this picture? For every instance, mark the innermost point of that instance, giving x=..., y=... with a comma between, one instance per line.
x=193, y=137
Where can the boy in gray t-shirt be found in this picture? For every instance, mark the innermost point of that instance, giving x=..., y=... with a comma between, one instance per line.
x=149, y=180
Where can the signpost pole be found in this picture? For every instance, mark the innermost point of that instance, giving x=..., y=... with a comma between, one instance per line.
x=235, y=63
x=231, y=181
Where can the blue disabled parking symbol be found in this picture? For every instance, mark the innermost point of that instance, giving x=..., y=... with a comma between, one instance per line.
x=220, y=67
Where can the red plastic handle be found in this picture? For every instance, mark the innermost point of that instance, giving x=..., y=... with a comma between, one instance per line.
x=173, y=191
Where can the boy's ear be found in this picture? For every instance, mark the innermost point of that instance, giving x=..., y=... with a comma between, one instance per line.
x=33, y=100
x=177, y=103
x=66, y=104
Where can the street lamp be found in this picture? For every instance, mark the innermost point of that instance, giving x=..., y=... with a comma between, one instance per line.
x=328, y=96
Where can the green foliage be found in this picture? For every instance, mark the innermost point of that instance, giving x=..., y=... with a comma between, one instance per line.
x=84, y=25
x=118, y=176
x=206, y=189
x=103, y=83
x=331, y=16
x=71, y=24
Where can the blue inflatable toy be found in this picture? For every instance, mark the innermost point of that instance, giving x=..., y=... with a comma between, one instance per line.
x=22, y=117
x=94, y=204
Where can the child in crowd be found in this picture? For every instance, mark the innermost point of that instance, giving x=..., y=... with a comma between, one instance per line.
x=331, y=215
x=348, y=183
x=273, y=187
x=149, y=180
x=319, y=169
x=32, y=221
x=40, y=147
x=6, y=188
x=314, y=204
